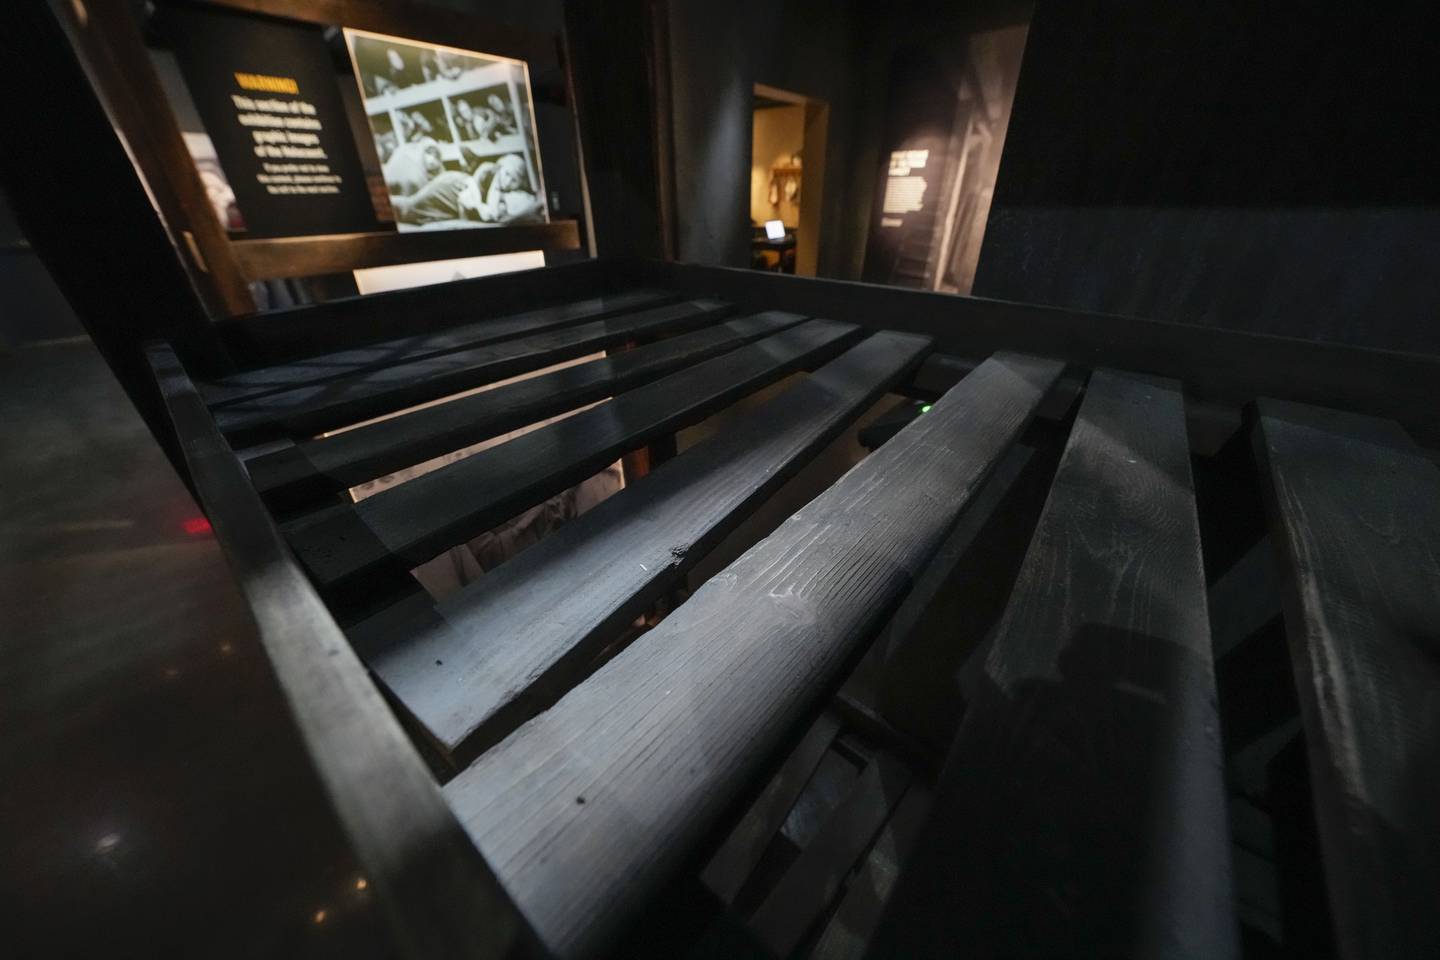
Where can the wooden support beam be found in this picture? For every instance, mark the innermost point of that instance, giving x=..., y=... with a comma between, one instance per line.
x=909, y=677
x=587, y=809
x=388, y=353
x=1355, y=517
x=307, y=410
x=1215, y=363
x=406, y=18
x=1082, y=807
x=439, y=896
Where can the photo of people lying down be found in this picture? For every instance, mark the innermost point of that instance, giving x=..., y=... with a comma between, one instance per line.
x=424, y=192
x=454, y=133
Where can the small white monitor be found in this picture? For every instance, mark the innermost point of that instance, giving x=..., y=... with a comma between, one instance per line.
x=775, y=229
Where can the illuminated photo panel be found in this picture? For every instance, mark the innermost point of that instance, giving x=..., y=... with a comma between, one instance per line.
x=455, y=131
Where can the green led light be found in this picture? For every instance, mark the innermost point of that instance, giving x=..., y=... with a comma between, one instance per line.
x=925, y=409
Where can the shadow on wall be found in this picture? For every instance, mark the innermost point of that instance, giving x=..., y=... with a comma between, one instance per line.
x=947, y=112
x=1267, y=168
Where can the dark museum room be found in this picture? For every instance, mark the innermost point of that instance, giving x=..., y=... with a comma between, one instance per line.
x=720, y=479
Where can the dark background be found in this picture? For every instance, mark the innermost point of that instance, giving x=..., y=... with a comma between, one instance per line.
x=1260, y=166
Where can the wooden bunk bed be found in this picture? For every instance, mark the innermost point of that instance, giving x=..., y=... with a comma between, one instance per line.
x=997, y=690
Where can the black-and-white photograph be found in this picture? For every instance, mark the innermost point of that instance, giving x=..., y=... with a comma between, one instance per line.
x=454, y=131
x=486, y=117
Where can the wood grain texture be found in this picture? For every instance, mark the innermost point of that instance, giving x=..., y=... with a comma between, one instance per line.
x=342, y=363
x=438, y=894
x=1355, y=517
x=1082, y=808
x=415, y=521
x=493, y=655
x=266, y=259
x=1226, y=365
x=306, y=471
x=307, y=410
x=587, y=809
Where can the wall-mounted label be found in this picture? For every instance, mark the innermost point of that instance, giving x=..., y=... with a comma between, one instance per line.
x=266, y=92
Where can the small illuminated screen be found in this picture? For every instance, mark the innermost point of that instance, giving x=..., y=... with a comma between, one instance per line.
x=775, y=229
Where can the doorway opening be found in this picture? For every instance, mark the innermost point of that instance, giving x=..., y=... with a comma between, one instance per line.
x=787, y=163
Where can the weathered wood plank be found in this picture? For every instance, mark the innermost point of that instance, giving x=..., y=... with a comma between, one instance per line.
x=488, y=658
x=1228, y=365
x=589, y=807
x=438, y=894
x=417, y=520
x=733, y=863
x=1082, y=809
x=908, y=678
x=303, y=472
x=797, y=902
x=296, y=333
x=307, y=410
x=1355, y=518
x=255, y=383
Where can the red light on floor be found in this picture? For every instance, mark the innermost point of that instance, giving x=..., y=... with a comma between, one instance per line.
x=196, y=526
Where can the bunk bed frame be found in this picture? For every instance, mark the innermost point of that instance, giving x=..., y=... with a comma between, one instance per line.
x=1032, y=645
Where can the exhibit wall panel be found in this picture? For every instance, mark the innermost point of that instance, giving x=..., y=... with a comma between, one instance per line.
x=1266, y=168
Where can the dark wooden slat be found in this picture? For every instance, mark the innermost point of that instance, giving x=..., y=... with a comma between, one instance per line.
x=1245, y=598
x=1355, y=518
x=303, y=472
x=336, y=403
x=417, y=21
x=1082, y=809
x=588, y=808
x=813, y=880
x=733, y=863
x=298, y=333
x=438, y=893
x=417, y=520
x=491, y=656
x=343, y=363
